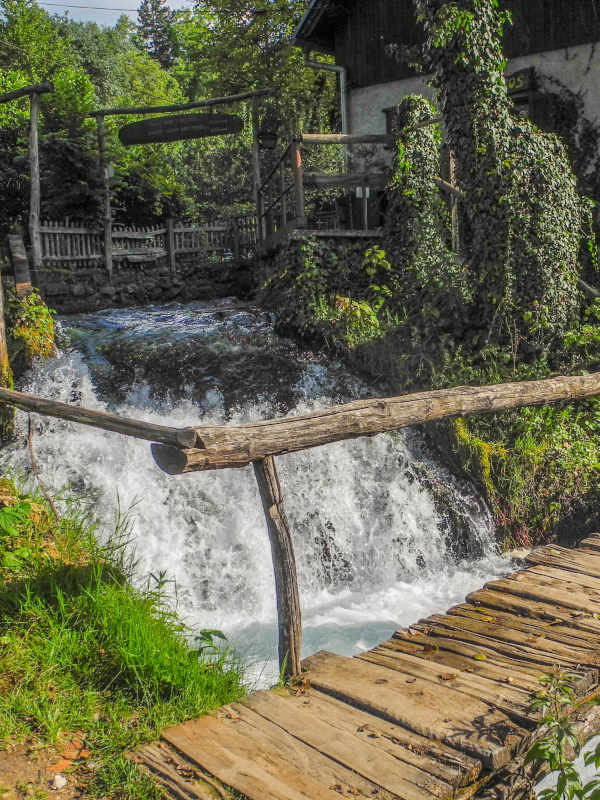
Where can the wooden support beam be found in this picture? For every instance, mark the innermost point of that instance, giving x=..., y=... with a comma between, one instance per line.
x=7, y=415
x=20, y=264
x=346, y=138
x=284, y=567
x=34, y=175
x=178, y=437
x=298, y=173
x=214, y=101
x=38, y=88
x=105, y=177
x=170, y=242
x=322, y=180
x=223, y=446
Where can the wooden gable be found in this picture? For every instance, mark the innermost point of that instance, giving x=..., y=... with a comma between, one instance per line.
x=357, y=31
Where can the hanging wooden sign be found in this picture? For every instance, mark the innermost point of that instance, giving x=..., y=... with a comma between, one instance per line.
x=180, y=126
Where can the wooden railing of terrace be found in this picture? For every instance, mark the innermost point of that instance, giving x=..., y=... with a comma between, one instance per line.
x=70, y=243
x=208, y=447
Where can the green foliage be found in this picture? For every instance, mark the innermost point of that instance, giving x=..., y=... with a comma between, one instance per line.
x=30, y=331
x=81, y=649
x=555, y=704
x=522, y=247
x=155, y=30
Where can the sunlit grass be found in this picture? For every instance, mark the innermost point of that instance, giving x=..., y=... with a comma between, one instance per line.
x=81, y=649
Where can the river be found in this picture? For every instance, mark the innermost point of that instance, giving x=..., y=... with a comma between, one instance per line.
x=383, y=534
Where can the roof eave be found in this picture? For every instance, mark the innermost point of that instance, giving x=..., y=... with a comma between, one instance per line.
x=303, y=35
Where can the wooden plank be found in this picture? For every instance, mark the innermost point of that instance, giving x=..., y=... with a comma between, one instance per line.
x=535, y=609
x=559, y=633
x=306, y=723
x=510, y=699
x=565, y=558
x=435, y=712
x=259, y=759
x=566, y=576
x=579, y=584
x=531, y=590
x=223, y=446
x=530, y=642
x=479, y=653
x=182, y=779
x=592, y=542
x=543, y=660
x=435, y=758
x=454, y=655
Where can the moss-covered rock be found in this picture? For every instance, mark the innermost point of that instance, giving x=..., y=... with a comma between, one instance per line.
x=30, y=329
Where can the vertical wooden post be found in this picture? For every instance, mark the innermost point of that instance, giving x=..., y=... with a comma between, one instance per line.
x=298, y=173
x=171, y=244
x=34, y=176
x=108, y=259
x=454, y=212
x=235, y=234
x=283, y=196
x=7, y=413
x=256, y=192
x=4, y=363
x=284, y=566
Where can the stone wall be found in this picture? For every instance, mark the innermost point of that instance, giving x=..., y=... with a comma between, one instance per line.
x=70, y=289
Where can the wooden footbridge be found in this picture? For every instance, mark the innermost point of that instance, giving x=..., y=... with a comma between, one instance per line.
x=442, y=709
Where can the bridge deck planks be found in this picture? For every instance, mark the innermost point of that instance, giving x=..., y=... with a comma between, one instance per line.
x=429, y=714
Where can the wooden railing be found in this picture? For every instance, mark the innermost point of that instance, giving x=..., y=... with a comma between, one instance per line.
x=207, y=447
x=281, y=197
x=70, y=243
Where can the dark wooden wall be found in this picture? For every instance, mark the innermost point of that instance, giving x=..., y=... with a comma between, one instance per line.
x=365, y=28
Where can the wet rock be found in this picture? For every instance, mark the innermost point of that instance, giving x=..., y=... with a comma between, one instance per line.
x=79, y=290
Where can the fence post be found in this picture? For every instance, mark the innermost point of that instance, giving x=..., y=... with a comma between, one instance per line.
x=283, y=196
x=171, y=244
x=258, y=200
x=20, y=264
x=108, y=244
x=454, y=209
x=34, y=172
x=298, y=172
x=284, y=566
x=235, y=233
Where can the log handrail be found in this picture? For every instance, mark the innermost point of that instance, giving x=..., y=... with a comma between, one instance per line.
x=223, y=446
x=178, y=437
x=214, y=101
x=179, y=450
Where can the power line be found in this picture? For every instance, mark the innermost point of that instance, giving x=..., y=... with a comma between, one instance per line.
x=91, y=8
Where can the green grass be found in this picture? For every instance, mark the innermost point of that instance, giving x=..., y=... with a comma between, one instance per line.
x=82, y=650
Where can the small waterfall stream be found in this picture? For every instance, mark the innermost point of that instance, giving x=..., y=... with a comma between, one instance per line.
x=383, y=535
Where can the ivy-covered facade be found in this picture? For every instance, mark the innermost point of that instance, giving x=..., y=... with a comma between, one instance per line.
x=550, y=47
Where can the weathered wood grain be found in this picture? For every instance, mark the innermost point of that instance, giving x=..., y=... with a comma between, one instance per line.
x=308, y=724
x=451, y=658
x=259, y=759
x=222, y=446
x=97, y=419
x=510, y=699
x=436, y=712
x=284, y=566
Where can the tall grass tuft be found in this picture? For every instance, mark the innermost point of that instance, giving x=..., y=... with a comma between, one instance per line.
x=82, y=649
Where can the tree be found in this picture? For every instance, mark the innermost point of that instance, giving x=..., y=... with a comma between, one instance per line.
x=155, y=31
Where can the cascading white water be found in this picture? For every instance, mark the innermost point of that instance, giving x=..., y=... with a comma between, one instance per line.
x=374, y=544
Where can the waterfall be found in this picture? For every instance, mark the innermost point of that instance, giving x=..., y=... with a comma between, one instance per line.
x=373, y=520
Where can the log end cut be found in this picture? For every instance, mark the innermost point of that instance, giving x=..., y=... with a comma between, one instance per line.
x=170, y=459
